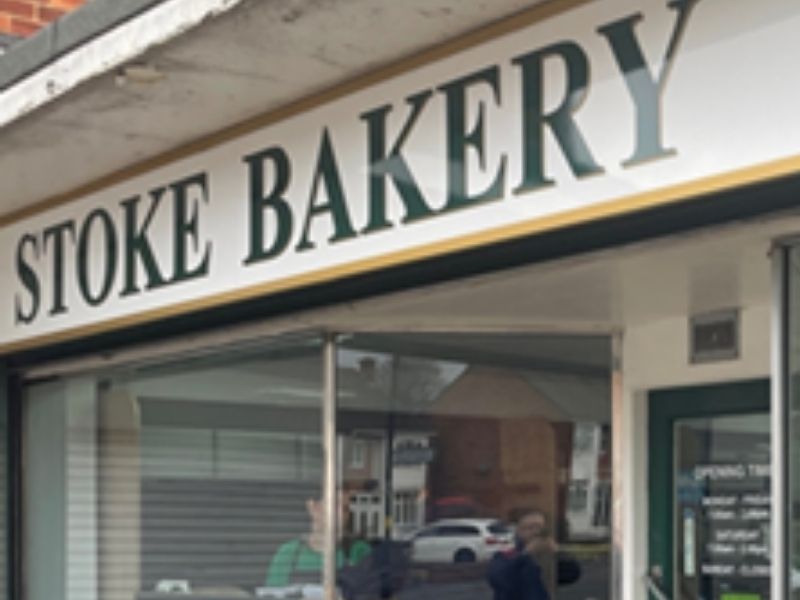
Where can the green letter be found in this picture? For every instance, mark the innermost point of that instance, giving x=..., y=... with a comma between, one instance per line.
x=259, y=201
x=138, y=246
x=84, y=257
x=56, y=233
x=645, y=91
x=393, y=165
x=560, y=121
x=27, y=277
x=459, y=140
x=186, y=227
x=328, y=173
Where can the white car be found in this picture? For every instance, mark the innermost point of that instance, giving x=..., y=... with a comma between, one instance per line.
x=461, y=541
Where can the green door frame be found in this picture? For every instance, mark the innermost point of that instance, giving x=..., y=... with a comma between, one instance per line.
x=664, y=408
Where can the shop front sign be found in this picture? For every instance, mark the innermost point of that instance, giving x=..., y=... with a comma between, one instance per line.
x=600, y=110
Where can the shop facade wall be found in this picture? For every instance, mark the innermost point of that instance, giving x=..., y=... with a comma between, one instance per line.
x=656, y=355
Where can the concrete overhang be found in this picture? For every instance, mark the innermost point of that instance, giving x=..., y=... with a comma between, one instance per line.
x=6, y=41
x=73, y=114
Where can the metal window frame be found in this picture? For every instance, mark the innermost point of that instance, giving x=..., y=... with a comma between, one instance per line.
x=619, y=448
x=329, y=449
x=10, y=403
x=780, y=413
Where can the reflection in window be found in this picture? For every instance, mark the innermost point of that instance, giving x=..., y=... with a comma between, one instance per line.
x=198, y=477
x=578, y=496
x=475, y=440
x=723, y=506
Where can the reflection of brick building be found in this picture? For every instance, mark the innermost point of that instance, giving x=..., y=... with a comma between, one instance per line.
x=23, y=18
x=501, y=445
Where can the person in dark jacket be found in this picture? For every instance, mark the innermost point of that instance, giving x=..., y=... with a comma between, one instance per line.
x=517, y=574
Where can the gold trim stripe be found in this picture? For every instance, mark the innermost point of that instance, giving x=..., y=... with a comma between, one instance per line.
x=484, y=34
x=662, y=197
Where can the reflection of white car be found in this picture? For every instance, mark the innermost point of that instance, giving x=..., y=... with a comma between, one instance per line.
x=461, y=540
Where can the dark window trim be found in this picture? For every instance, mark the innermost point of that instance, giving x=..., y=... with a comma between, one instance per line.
x=12, y=395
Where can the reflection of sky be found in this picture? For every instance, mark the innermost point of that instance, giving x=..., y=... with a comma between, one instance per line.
x=373, y=379
x=409, y=378
x=366, y=378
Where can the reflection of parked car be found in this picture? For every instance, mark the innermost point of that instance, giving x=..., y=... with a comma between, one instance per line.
x=461, y=540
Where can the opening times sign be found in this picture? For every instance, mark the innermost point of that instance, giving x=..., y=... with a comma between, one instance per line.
x=725, y=512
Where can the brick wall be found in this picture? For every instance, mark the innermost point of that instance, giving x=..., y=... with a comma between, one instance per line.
x=21, y=18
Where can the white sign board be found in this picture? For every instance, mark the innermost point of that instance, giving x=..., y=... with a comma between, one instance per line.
x=600, y=110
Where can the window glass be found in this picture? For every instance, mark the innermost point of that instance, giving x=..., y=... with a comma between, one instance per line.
x=499, y=444
x=199, y=478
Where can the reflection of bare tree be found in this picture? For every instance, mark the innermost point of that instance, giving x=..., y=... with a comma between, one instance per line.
x=395, y=381
x=417, y=382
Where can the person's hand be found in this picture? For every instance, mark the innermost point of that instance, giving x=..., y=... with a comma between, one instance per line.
x=541, y=544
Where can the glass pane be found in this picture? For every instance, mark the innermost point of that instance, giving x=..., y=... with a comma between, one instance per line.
x=199, y=478
x=470, y=446
x=723, y=507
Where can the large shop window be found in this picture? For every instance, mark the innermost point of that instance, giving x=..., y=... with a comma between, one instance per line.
x=464, y=463
x=200, y=478
x=473, y=462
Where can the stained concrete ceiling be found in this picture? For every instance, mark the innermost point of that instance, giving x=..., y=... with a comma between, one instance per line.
x=252, y=58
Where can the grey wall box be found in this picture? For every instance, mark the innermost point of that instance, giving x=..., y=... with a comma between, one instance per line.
x=714, y=336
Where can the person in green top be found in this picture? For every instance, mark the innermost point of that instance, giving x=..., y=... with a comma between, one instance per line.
x=299, y=561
